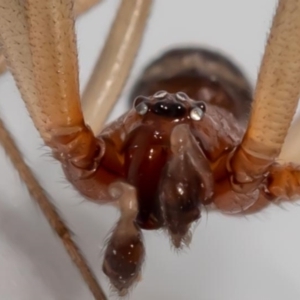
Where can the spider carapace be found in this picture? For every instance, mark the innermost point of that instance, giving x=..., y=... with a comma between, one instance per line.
x=190, y=112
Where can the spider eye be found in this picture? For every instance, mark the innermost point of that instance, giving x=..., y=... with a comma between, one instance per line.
x=198, y=111
x=140, y=106
x=169, y=109
x=160, y=94
x=182, y=96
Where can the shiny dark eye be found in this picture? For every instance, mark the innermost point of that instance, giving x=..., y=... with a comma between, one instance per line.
x=140, y=105
x=171, y=110
x=198, y=111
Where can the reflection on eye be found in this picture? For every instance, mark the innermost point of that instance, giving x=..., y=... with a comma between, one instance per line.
x=160, y=94
x=182, y=96
x=141, y=108
x=196, y=113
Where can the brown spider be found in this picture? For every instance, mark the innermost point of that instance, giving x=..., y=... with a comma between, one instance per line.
x=195, y=273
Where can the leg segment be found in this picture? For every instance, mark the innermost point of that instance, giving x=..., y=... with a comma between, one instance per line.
x=80, y=7
x=275, y=98
x=41, y=51
x=49, y=211
x=2, y=63
x=291, y=146
x=115, y=61
x=284, y=181
x=283, y=184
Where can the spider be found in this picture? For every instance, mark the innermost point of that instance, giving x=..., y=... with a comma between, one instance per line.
x=197, y=256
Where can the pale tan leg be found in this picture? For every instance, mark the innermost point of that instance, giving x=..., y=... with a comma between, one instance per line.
x=290, y=151
x=276, y=95
x=115, y=61
x=2, y=63
x=81, y=6
x=39, y=42
x=49, y=211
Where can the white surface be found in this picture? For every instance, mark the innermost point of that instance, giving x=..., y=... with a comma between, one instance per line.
x=230, y=258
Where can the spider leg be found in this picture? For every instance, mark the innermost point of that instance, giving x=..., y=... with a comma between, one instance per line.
x=49, y=211
x=2, y=62
x=115, y=61
x=290, y=148
x=283, y=184
x=39, y=43
x=284, y=181
x=41, y=50
x=81, y=6
x=275, y=99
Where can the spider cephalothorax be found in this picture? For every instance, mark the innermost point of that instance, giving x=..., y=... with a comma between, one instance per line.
x=184, y=144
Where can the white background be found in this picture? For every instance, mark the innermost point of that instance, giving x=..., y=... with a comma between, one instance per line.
x=234, y=258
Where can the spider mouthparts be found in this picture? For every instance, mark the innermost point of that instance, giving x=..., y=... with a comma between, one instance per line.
x=180, y=241
x=180, y=192
x=185, y=185
x=124, y=256
x=125, y=251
